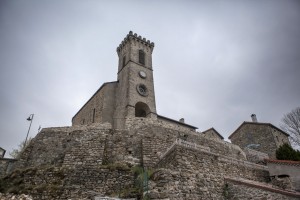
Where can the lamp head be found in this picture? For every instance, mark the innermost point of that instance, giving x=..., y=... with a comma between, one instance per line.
x=30, y=117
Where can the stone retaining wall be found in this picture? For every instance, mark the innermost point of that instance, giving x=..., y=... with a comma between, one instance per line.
x=68, y=145
x=85, y=149
x=70, y=183
x=93, y=145
x=156, y=141
x=191, y=174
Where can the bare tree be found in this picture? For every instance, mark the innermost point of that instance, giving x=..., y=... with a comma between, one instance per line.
x=290, y=123
x=15, y=153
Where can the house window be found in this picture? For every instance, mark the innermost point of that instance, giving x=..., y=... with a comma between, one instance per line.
x=124, y=60
x=141, y=57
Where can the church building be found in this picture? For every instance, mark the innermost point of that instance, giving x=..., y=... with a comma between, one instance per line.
x=132, y=95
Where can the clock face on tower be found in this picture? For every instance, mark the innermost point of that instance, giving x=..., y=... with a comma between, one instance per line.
x=142, y=74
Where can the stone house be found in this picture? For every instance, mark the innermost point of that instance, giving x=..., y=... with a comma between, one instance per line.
x=263, y=137
x=213, y=134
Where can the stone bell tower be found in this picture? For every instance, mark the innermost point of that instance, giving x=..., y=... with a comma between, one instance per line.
x=135, y=95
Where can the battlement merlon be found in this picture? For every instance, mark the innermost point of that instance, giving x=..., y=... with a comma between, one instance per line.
x=136, y=37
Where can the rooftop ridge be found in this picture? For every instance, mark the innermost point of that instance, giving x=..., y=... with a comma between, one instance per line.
x=136, y=37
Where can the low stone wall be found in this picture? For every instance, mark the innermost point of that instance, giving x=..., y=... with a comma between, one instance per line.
x=239, y=189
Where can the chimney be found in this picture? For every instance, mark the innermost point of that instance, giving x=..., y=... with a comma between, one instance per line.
x=181, y=120
x=254, y=119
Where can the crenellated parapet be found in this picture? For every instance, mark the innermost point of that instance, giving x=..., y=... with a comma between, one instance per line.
x=130, y=36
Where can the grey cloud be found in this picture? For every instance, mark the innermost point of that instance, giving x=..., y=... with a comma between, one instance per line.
x=215, y=63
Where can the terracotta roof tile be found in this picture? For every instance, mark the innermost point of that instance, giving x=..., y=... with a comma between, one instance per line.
x=283, y=162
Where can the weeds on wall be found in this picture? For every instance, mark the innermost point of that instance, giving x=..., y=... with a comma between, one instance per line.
x=15, y=182
x=105, y=160
x=16, y=153
x=142, y=176
x=226, y=191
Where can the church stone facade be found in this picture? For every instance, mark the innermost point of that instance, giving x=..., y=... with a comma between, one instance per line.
x=118, y=146
x=100, y=107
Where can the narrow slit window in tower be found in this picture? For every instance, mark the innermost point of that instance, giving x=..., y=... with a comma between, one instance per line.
x=141, y=57
x=124, y=60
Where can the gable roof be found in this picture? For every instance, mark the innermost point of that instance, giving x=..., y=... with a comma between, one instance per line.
x=214, y=131
x=177, y=122
x=256, y=123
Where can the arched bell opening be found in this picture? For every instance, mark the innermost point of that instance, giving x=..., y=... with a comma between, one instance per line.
x=141, y=109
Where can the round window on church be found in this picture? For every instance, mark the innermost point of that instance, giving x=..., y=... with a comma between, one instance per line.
x=142, y=89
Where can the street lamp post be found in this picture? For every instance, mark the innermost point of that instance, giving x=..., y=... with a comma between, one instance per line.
x=30, y=118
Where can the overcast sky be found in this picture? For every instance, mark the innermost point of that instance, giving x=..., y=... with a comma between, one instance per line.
x=215, y=62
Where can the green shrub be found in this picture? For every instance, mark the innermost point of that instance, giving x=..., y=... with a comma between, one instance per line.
x=286, y=152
